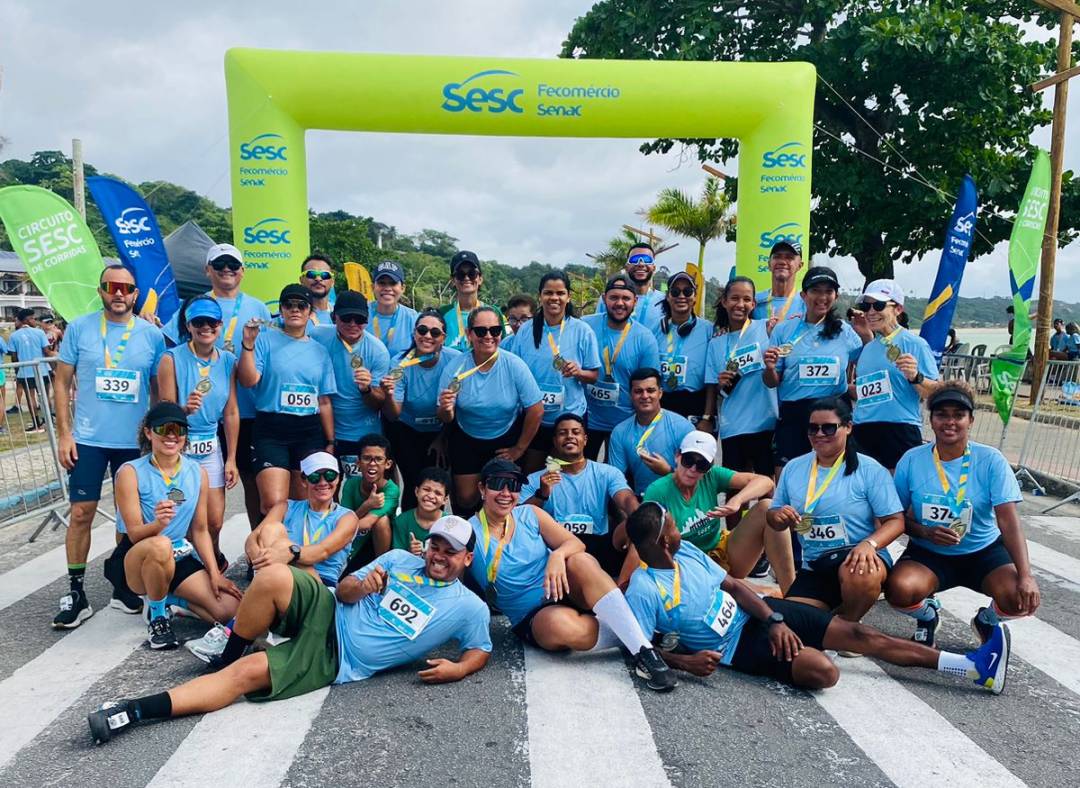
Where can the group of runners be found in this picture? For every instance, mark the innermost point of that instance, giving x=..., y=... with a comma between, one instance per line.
x=407, y=473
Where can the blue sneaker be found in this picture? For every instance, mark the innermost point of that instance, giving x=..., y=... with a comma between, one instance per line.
x=992, y=660
x=925, y=630
x=984, y=622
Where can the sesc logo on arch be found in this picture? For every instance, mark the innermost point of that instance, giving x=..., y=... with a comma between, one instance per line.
x=790, y=155
x=484, y=91
x=133, y=221
x=791, y=232
x=265, y=147
x=268, y=232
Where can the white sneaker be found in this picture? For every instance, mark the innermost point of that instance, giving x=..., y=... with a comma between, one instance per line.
x=212, y=644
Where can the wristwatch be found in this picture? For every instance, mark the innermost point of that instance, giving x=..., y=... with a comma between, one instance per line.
x=775, y=618
x=295, y=550
x=919, y=378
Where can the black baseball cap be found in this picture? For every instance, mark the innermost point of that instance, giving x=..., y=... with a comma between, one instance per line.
x=820, y=275
x=505, y=468
x=22, y=314
x=681, y=275
x=950, y=396
x=350, y=302
x=619, y=282
x=166, y=413
x=295, y=291
x=462, y=257
x=792, y=246
x=389, y=268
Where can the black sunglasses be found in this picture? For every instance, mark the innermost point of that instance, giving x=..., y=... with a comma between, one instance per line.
x=697, y=462
x=678, y=292
x=359, y=320
x=828, y=430
x=170, y=429
x=483, y=331
x=326, y=473
x=435, y=332
x=298, y=305
x=204, y=322
x=461, y=276
x=877, y=306
x=221, y=265
x=496, y=483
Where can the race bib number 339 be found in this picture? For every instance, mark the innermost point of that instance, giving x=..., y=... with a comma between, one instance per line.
x=117, y=385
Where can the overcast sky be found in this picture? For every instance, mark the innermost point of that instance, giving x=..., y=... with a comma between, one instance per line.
x=143, y=87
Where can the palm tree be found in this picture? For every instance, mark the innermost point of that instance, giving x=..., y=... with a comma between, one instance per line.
x=703, y=220
x=612, y=259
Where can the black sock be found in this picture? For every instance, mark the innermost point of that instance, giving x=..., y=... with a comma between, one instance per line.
x=234, y=649
x=152, y=707
x=76, y=573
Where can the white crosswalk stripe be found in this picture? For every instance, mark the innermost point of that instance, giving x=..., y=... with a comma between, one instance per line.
x=38, y=572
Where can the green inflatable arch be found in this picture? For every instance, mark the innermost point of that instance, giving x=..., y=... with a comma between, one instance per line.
x=275, y=96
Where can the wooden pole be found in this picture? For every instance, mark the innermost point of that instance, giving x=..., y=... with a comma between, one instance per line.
x=1050, y=239
x=77, y=181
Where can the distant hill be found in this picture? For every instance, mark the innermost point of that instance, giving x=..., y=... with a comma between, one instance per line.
x=985, y=312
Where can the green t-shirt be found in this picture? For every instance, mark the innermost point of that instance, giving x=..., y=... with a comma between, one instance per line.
x=405, y=525
x=690, y=516
x=352, y=496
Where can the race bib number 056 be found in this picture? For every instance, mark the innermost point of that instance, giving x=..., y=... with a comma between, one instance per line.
x=298, y=399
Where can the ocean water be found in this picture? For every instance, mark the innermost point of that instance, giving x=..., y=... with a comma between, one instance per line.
x=991, y=337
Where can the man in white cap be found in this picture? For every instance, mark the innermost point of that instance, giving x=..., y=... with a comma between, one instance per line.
x=690, y=493
x=391, y=612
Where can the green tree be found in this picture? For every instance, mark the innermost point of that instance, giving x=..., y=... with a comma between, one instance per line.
x=943, y=82
x=703, y=220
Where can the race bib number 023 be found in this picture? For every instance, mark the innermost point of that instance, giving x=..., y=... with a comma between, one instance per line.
x=873, y=389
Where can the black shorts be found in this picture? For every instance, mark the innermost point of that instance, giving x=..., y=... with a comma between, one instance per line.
x=601, y=547
x=84, y=480
x=790, y=436
x=114, y=566
x=244, y=457
x=823, y=586
x=690, y=404
x=597, y=440
x=282, y=441
x=967, y=571
x=750, y=452
x=28, y=383
x=886, y=441
x=468, y=454
x=523, y=628
x=753, y=654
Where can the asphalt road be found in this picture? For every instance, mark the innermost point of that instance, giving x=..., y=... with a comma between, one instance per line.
x=532, y=718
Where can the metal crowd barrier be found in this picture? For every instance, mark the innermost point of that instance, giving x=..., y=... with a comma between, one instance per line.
x=1051, y=441
x=988, y=428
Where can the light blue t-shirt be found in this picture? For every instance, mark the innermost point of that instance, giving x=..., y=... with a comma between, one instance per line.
x=367, y=643
x=765, y=299
x=109, y=416
x=294, y=374
x=519, y=583
x=991, y=482
x=699, y=585
x=153, y=490
x=418, y=390
x=844, y=515
x=243, y=308
x=488, y=402
x=683, y=357
x=882, y=391
x=751, y=406
x=394, y=331
x=577, y=343
x=1059, y=342
x=663, y=440
x=609, y=400
x=353, y=419
x=816, y=367
x=579, y=502
x=305, y=528
x=647, y=309
x=29, y=344
x=205, y=420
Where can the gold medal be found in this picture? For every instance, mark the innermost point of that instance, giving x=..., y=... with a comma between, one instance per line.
x=893, y=353
x=204, y=385
x=673, y=381
x=643, y=452
x=176, y=495
x=454, y=386
x=552, y=465
x=733, y=366
x=784, y=349
x=229, y=346
x=958, y=527
x=357, y=362
x=558, y=362
x=395, y=374
x=805, y=524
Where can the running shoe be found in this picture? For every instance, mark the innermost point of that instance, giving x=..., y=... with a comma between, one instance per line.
x=649, y=665
x=160, y=635
x=111, y=717
x=74, y=609
x=126, y=601
x=984, y=622
x=212, y=644
x=992, y=660
x=761, y=568
x=925, y=630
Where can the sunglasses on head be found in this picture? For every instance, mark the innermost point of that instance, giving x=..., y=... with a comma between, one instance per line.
x=221, y=265
x=828, y=430
x=117, y=288
x=677, y=292
x=326, y=276
x=359, y=320
x=877, y=306
x=469, y=273
x=496, y=483
x=204, y=322
x=301, y=306
x=326, y=473
x=170, y=430
x=695, y=461
x=435, y=331
x=483, y=331
x=640, y=259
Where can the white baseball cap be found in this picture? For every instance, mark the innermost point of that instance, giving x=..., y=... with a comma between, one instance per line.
x=223, y=250
x=318, y=461
x=698, y=442
x=454, y=530
x=885, y=290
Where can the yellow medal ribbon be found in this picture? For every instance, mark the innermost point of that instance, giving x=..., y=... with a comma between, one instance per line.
x=887, y=341
x=956, y=505
x=460, y=376
x=308, y=537
x=813, y=495
x=420, y=580
x=735, y=344
x=204, y=369
x=411, y=359
x=164, y=476
x=555, y=346
x=493, y=561
x=390, y=333
x=805, y=331
x=787, y=304
x=652, y=426
x=610, y=357
x=674, y=599
x=235, y=316
x=109, y=363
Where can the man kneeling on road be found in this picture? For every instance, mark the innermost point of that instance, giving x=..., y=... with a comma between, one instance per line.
x=389, y=613
x=707, y=618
